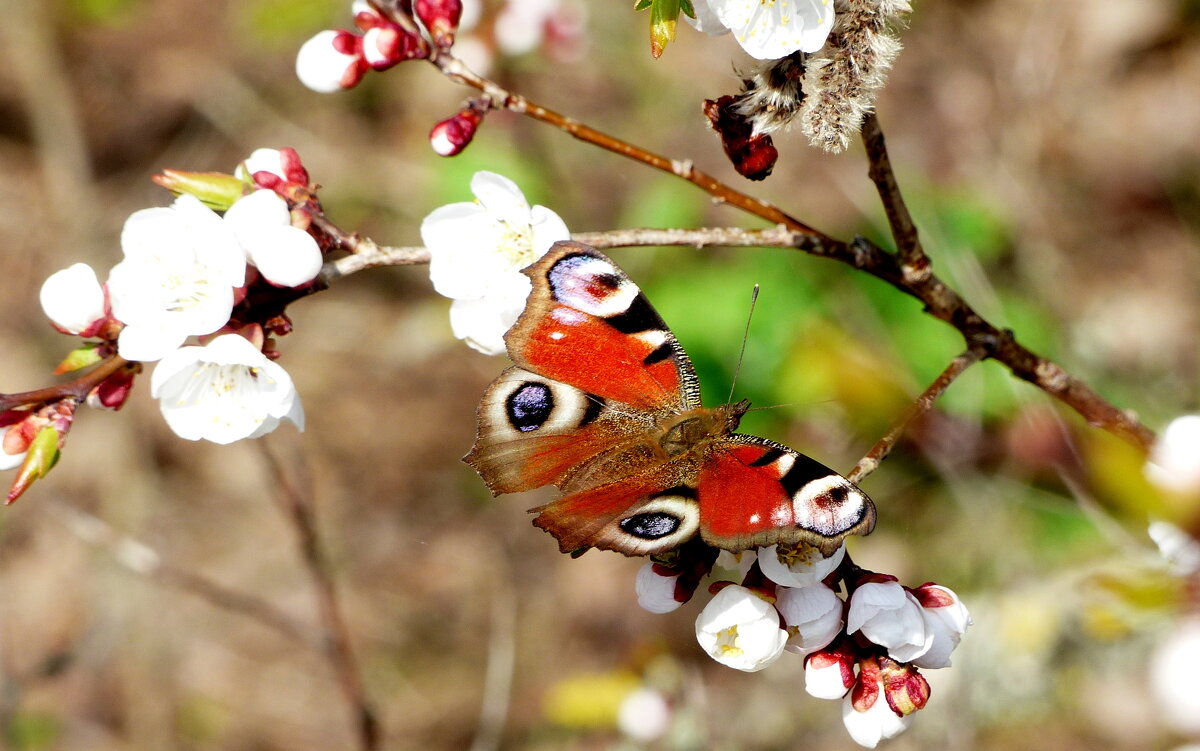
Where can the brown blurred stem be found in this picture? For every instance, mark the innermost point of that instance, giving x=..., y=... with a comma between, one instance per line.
x=907, y=271
x=923, y=404
x=140, y=558
x=336, y=645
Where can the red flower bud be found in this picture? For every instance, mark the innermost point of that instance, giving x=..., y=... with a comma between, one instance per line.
x=440, y=18
x=451, y=136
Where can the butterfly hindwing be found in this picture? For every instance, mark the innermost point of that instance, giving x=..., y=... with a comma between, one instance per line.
x=587, y=324
x=753, y=492
x=535, y=431
x=644, y=514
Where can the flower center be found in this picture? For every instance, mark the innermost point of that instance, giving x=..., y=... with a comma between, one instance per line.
x=727, y=642
x=516, y=244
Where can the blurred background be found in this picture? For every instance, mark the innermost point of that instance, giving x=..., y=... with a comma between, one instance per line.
x=1049, y=152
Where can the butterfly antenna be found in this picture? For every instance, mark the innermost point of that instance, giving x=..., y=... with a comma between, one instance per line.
x=745, y=338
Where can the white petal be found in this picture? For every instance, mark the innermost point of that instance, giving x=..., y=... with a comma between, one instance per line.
x=1172, y=677
x=706, y=19
x=872, y=598
x=771, y=29
x=260, y=208
x=741, y=630
x=548, y=228
x=146, y=343
x=285, y=256
x=501, y=197
x=655, y=592
x=319, y=65
x=482, y=324
x=7, y=460
x=73, y=298
x=1179, y=549
x=814, y=612
x=261, y=160
x=1174, y=463
x=870, y=727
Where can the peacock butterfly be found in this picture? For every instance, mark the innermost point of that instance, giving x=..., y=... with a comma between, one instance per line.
x=604, y=404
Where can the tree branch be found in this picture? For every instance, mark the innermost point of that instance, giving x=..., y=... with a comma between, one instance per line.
x=77, y=388
x=140, y=558
x=923, y=404
x=912, y=256
x=336, y=644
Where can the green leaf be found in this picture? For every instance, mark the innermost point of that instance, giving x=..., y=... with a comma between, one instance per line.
x=686, y=7
x=642, y=4
x=663, y=15
x=216, y=190
x=43, y=455
x=86, y=355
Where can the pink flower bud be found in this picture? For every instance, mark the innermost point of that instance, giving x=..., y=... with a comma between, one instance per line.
x=451, y=136
x=829, y=673
x=440, y=18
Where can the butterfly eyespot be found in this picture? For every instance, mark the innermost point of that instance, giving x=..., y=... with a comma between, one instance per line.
x=652, y=526
x=529, y=406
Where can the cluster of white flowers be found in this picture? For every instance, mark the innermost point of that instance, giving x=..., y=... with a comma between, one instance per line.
x=746, y=628
x=767, y=30
x=184, y=269
x=477, y=250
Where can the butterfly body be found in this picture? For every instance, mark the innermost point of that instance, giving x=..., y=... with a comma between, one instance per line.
x=604, y=404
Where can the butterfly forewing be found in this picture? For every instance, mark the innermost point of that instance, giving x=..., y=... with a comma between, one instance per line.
x=588, y=324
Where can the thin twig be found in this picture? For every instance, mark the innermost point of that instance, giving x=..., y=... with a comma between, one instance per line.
x=498, y=677
x=336, y=645
x=908, y=243
x=142, y=559
x=923, y=404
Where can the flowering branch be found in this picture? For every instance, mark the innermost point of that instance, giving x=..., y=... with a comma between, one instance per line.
x=871, y=461
x=940, y=300
x=904, y=231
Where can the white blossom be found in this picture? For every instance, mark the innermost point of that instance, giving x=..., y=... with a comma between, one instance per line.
x=73, y=298
x=224, y=391
x=800, y=566
x=741, y=630
x=181, y=266
x=656, y=592
x=1174, y=462
x=521, y=25
x=891, y=617
x=286, y=256
x=813, y=616
x=325, y=64
x=1173, y=677
x=644, y=715
x=878, y=722
x=947, y=618
x=477, y=251
x=767, y=30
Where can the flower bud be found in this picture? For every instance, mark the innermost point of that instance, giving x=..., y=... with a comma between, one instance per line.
x=740, y=629
x=891, y=617
x=905, y=689
x=330, y=61
x=440, y=18
x=829, y=673
x=112, y=392
x=73, y=299
x=655, y=585
x=946, y=618
x=452, y=135
x=867, y=715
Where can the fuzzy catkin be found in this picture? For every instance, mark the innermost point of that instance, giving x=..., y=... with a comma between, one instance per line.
x=841, y=79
